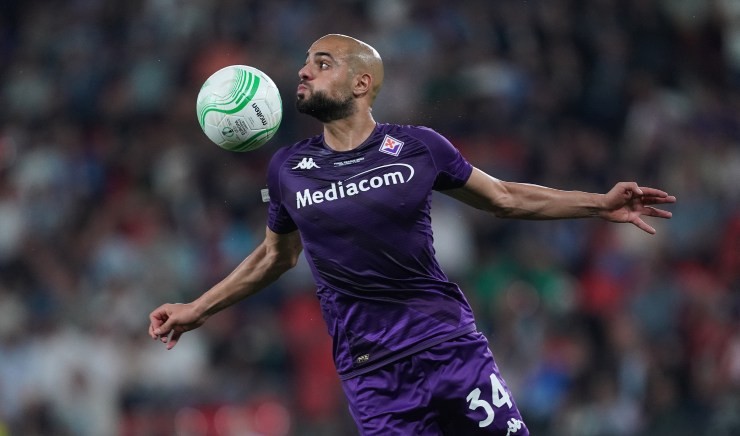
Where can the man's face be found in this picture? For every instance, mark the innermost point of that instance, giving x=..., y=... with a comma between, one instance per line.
x=325, y=88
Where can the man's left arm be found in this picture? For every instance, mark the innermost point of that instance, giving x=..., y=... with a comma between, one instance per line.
x=626, y=202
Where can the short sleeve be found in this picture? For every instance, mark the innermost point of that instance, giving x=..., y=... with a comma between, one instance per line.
x=278, y=219
x=453, y=170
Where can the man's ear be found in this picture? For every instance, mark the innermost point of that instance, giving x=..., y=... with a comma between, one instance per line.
x=363, y=84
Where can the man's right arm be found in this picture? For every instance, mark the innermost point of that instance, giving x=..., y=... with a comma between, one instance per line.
x=274, y=256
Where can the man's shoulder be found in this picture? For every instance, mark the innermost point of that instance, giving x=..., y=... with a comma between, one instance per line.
x=405, y=128
x=284, y=153
x=423, y=134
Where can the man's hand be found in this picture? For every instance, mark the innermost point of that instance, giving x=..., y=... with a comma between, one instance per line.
x=169, y=321
x=627, y=202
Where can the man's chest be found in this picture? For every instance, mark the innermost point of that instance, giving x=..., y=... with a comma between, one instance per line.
x=356, y=185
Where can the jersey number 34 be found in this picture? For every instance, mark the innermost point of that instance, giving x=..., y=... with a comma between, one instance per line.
x=498, y=399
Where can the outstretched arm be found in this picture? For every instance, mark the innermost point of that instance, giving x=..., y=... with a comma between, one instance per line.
x=626, y=202
x=275, y=255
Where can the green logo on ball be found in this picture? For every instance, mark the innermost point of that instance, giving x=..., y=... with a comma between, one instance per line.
x=227, y=132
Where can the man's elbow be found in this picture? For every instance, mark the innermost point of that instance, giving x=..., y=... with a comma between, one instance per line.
x=502, y=212
x=281, y=261
x=502, y=206
x=291, y=260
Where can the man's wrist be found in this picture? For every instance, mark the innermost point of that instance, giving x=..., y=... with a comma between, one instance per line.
x=599, y=207
x=202, y=307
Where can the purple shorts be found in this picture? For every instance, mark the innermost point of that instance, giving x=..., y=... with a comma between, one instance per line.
x=453, y=388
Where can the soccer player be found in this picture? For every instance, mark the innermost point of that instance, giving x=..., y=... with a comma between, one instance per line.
x=357, y=200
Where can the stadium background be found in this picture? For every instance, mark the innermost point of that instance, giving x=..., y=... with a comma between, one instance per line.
x=112, y=202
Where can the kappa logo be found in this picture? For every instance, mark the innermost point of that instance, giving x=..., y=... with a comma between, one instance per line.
x=514, y=425
x=391, y=145
x=306, y=163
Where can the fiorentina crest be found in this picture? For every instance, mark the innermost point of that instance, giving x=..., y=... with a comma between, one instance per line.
x=391, y=145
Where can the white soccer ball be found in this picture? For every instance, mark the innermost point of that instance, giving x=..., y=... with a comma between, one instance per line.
x=239, y=108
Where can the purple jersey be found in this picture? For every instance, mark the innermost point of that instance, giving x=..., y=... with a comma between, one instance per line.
x=364, y=219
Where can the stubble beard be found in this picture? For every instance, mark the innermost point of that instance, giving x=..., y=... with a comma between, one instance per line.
x=324, y=108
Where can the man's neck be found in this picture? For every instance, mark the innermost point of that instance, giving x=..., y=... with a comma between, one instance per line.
x=349, y=133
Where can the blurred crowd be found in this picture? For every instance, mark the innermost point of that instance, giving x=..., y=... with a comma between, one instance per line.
x=112, y=202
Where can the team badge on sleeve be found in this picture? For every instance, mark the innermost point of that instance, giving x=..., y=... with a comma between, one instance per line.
x=391, y=145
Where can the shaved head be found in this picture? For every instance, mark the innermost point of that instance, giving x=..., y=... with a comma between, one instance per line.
x=361, y=57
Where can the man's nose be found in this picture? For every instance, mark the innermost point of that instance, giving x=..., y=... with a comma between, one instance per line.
x=303, y=73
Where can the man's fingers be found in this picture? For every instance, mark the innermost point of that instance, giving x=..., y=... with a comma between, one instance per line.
x=658, y=200
x=156, y=329
x=157, y=318
x=659, y=213
x=164, y=329
x=161, y=323
x=643, y=225
x=174, y=338
x=655, y=196
x=651, y=192
x=167, y=333
x=168, y=323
